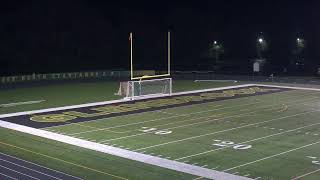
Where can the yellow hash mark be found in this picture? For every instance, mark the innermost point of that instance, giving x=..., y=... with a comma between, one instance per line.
x=67, y=162
x=284, y=108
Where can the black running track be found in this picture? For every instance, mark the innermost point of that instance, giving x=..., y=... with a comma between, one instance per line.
x=13, y=168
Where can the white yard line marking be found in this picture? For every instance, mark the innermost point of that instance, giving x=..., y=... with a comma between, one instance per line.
x=264, y=137
x=126, y=124
x=21, y=103
x=29, y=169
x=8, y=176
x=161, y=162
x=160, y=119
x=19, y=172
x=307, y=174
x=311, y=157
x=116, y=101
x=216, y=119
x=226, y=130
x=77, y=124
x=272, y=156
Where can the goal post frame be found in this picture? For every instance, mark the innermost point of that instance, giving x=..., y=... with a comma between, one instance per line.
x=131, y=88
x=132, y=77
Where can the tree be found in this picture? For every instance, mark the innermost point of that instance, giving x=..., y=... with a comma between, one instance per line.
x=262, y=47
x=215, y=51
x=298, y=51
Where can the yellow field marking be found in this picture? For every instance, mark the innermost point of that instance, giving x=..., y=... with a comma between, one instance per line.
x=304, y=175
x=284, y=108
x=67, y=162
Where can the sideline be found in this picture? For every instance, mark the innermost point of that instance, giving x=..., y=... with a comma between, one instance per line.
x=115, y=101
x=161, y=162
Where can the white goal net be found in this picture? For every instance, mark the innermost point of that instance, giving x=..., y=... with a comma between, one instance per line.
x=145, y=88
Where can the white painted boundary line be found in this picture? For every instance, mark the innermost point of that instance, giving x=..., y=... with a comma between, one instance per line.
x=287, y=87
x=165, y=163
x=113, y=101
x=126, y=100
x=21, y=103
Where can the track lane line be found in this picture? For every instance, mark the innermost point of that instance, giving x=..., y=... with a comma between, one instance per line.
x=30, y=169
x=19, y=172
x=64, y=161
x=8, y=176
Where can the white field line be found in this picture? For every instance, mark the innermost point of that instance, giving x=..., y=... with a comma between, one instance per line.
x=186, y=106
x=201, y=122
x=39, y=165
x=170, y=117
x=288, y=87
x=157, y=161
x=19, y=172
x=160, y=119
x=252, y=140
x=8, y=176
x=304, y=175
x=21, y=103
x=113, y=101
x=29, y=169
x=94, y=129
x=272, y=156
x=164, y=118
x=226, y=130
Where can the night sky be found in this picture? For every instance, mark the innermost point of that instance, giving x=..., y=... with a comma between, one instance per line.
x=66, y=36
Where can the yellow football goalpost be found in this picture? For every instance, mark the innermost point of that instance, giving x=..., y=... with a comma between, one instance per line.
x=145, y=86
x=167, y=74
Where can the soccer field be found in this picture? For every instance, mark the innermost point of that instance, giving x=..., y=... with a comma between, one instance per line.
x=273, y=135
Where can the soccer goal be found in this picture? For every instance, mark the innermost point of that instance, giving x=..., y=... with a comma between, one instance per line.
x=146, y=88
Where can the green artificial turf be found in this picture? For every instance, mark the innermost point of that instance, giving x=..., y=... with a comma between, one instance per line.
x=77, y=161
x=67, y=94
x=275, y=127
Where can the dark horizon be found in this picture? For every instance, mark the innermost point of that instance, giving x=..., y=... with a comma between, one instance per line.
x=62, y=36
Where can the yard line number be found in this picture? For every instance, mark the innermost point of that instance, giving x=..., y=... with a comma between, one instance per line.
x=222, y=143
x=315, y=160
x=155, y=131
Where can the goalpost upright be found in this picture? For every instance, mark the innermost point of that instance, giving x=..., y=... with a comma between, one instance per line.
x=148, y=85
x=168, y=73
